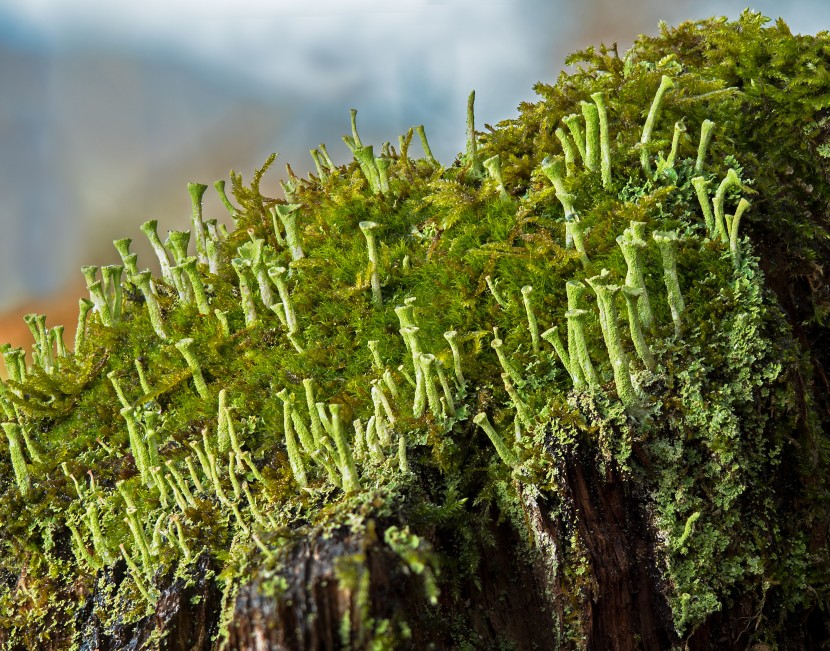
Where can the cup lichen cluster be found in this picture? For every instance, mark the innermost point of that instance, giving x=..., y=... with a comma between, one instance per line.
x=575, y=275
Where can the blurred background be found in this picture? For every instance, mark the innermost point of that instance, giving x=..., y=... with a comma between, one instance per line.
x=109, y=108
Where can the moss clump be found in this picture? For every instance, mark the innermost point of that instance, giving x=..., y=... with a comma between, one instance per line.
x=297, y=379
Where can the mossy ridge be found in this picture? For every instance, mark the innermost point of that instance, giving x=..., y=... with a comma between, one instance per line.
x=443, y=233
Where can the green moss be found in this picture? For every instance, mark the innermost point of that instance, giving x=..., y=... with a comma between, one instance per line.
x=714, y=414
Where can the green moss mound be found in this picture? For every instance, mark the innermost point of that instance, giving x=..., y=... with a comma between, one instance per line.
x=630, y=272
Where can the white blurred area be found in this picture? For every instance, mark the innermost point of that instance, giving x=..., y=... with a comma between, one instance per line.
x=108, y=108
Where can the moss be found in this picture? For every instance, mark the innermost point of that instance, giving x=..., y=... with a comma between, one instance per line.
x=712, y=419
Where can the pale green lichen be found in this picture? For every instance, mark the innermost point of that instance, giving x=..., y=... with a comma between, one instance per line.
x=697, y=429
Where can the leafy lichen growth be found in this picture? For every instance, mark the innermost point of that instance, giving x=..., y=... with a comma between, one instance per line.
x=366, y=353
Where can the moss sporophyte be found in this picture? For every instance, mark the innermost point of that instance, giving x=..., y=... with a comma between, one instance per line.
x=332, y=348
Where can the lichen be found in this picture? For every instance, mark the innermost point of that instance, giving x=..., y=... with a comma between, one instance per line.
x=322, y=367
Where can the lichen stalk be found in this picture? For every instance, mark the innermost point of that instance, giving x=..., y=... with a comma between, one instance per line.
x=181, y=539
x=31, y=446
x=632, y=296
x=243, y=272
x=232, y=462
x=129, y=260
x=140, y=454
x=387, y=406
x=707, y=128
x=701, y=190
x=60, y=346
x=410, y=338
x=321, y=457
x=381, y=429
x=576, y=228
x=433, y=398
x=96, y=293
x=552, y=336
x=505, y=454
x=604, y=138
x=452, y=338
x=554, y=169
x=181, y=484
x=140, y=539
x=278, y=276
x=149, y=228
x=325, y=421
x=743, y=206
x=476, y=168
x=359, y=449
x=679, y=130
x=135, y=572
x=522, y=410
x=445, y=387
x=178, y=241
x=493, y=167
x=574, y=126
x=84, y=306
x=403, y=460
x=498, y=345
x=406, y=315
x=348, y=470
x=185, y=347
x=11, y=360
x=197, y=191
x=532, y=324
x=194, y=476
x=307, y=440
x=577, y=343
x=220, y=190
x=606, y=300
x=116, y=384
x=667, y=242
x=325, y=154
x=99, y=542
x=368, y=229
x=316, y=424
x=224, y=326
x=422, y=136
x=21, y=469
x=318, y=165
x=645, y=161
x=496, y=295
x=202, y=302
x=143, y=282
x=288, y=216
x=389, y=380
x=112, y=288
x=182, y=285
x=142, y=377
x=151, y=436
x=160, y=483
x=633, y=245
x=223, y=438
x=365, y=157
x=567, y=150
x=382, y=164
x=82, y=553
x=252, y=505
x=592, y=136
x=730, y=180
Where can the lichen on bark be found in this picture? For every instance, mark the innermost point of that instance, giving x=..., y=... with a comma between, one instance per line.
x=337, y=426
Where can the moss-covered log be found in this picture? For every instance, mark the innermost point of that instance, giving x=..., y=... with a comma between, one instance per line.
x=338, y=425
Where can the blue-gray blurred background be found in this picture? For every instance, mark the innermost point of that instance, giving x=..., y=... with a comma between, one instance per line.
x=108, y=107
